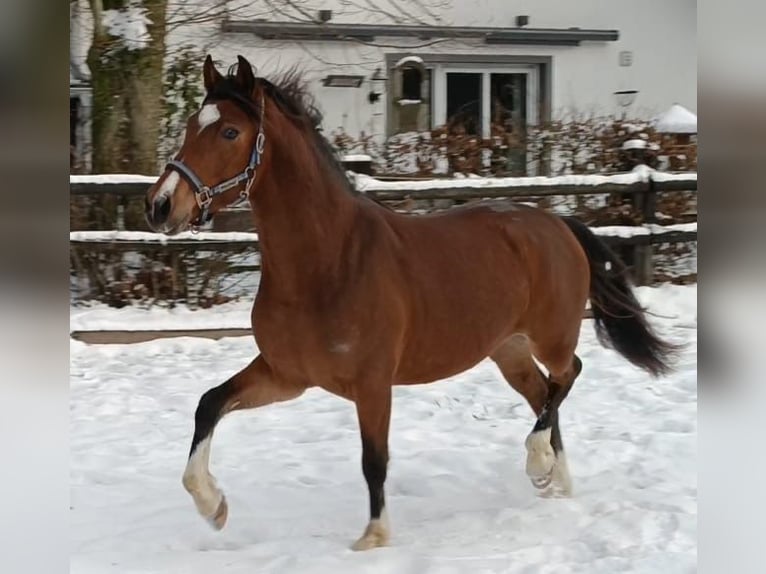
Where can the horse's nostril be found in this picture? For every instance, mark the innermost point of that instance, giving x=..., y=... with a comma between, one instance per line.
x=161, y=210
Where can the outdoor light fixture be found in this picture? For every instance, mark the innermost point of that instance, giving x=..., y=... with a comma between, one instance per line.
x=377, y=81
x=342, y=81
x=625, y=97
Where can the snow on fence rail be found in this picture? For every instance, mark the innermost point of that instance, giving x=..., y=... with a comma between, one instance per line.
x=136, y=238
x=640, y=180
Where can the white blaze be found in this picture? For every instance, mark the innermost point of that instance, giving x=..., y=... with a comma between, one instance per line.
x=209, y=114
x=168, y=186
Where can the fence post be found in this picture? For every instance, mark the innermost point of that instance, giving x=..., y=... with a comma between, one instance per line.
x=120, y=224
x=192, y=282
x=644, y=254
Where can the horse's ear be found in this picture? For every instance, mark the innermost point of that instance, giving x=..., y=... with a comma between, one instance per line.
x=210, y=75
x=245, y=77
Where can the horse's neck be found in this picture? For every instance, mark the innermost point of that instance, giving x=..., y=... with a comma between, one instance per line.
x=303, y=216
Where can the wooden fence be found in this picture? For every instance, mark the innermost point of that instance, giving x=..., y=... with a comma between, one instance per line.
x=119, y=231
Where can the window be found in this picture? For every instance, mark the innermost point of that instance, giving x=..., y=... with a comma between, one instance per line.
x=410, y=99
x=411, y=81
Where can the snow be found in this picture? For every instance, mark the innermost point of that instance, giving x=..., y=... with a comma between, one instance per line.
x=676, y=120
x=409, y=60
x=667, y=176
x=356, y=157
x=639, y=144
x=101, y=317
x=683, y=227
x=458, y=498
x=647, y=229
x=129, y=24
x=624, y=231
x=635, y=144
x=110, y=178
x=365, y=183
x=246, y=237
x=151, y=237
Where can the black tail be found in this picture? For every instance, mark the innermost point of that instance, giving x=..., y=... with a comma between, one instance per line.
x=620, y=320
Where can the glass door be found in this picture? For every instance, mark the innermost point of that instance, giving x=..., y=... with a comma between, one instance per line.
x=508, y=117
x=508, y=102
x=477, y=100
x=464, y=102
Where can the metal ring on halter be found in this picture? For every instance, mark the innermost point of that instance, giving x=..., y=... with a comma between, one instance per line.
x=260, y=141
x=245, y=192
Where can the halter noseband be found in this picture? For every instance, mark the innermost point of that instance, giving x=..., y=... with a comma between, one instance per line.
x=204, y=194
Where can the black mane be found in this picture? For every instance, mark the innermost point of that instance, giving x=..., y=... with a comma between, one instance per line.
x=290, y=92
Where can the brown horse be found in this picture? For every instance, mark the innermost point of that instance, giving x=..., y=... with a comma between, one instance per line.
x=355, y=298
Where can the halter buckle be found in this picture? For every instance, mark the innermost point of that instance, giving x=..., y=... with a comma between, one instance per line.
x=204, y=198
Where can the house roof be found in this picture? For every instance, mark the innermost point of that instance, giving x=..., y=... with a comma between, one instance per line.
x=368, y=32
x=676, y=120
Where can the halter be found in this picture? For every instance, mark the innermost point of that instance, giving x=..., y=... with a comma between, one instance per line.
x=204, y=194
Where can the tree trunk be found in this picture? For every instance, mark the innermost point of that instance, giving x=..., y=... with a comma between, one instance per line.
x=127, y=91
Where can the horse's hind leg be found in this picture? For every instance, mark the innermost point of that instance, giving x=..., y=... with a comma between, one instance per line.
x=253, y=386
x=546, y=461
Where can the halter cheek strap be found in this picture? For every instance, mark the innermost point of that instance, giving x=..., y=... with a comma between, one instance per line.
x=204, y=194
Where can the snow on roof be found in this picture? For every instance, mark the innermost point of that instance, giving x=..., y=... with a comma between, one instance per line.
x=676, y=120
x=409, y=59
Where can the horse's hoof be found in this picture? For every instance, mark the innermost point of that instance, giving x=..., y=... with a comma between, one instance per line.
x=558, y=484
x=218, y=520
x=375, y=536
x=541, y=457
x=541, y=482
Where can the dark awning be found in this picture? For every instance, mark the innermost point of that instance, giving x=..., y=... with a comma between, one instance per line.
x=368, y=32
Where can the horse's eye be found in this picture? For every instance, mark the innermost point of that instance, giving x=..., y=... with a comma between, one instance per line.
x=230, y=133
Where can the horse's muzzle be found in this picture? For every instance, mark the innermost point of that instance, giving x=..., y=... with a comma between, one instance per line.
x=157, y=211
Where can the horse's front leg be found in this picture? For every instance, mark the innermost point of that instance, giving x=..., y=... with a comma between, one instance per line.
x=373, y=407
x=254, y=386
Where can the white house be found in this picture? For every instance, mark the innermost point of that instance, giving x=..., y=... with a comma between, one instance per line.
x=382, y=67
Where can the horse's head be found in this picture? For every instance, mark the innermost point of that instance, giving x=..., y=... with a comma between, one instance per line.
x=221, y=154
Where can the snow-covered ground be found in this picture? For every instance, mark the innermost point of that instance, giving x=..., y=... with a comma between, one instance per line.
x=458, y=498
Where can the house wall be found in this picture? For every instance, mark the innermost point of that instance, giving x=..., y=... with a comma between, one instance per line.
x=661, y=35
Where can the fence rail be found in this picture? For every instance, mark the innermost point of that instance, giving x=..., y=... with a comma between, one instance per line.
x=91, y=249
x=468, y=188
